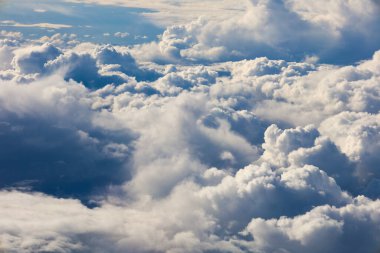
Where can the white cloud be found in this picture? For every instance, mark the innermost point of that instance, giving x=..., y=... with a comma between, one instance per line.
x=358, y=136
x=121, y=34
x=14, y=35
x=192, y=218
x=326, y=229
x=6, y=56
x=31, y=60
x=169, y=12
x=274, y=29
x=38, y=25
x=40, y=10
x=255, y=155
x=49, y=126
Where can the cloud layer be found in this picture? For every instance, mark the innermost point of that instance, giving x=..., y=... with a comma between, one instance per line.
x=173, y=12
x=220, y=137
x=338, y=32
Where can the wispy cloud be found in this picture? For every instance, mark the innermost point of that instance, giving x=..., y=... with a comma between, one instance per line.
x=36, y=25
x=176, y=12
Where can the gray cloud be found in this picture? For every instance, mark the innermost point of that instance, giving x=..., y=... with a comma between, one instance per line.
x=50, y=143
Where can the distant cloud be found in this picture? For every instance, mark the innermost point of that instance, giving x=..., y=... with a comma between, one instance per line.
x=176, y=12
x=121, y=34
x=342, y=33
x=40, y=10
x=38, y=25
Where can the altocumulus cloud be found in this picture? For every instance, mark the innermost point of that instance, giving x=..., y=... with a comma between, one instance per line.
x=171, y=147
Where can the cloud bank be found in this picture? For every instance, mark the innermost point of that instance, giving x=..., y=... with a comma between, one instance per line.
x=220, y=137
x=338, y=32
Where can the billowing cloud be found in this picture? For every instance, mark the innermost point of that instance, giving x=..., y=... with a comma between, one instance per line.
x=95, y=68
x=32, y=60
x=326, y=229
x=335, y=32
x=50, y=142
x=188, y=159
x=224, y=135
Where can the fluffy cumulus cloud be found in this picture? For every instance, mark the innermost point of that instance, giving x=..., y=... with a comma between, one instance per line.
x=326, y=228
x=223, y=136
x=51, y=142
x=332, y=31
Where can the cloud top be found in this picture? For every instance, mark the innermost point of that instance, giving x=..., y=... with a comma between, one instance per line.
x=259, y=132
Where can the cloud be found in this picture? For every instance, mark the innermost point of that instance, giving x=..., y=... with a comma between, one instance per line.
x=40, y=10
x=326, y=229
x=177, y=81
x=10, y=34
x=103, y=150
x=305, y=146
x=123, y=62
x=299, y=93
x=330, y=31
x=50, y=143
x=37, y=25
x=60, y=40
x=95, y=68
x=320, y=229
x=168, y=12
x=8, y=42
x=357, y=137
x=32, y=60
x=220, y=208
x=6, y=56
x=191, y=146
x=121, y=34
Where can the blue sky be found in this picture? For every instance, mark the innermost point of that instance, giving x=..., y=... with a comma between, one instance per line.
x=90, y=22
